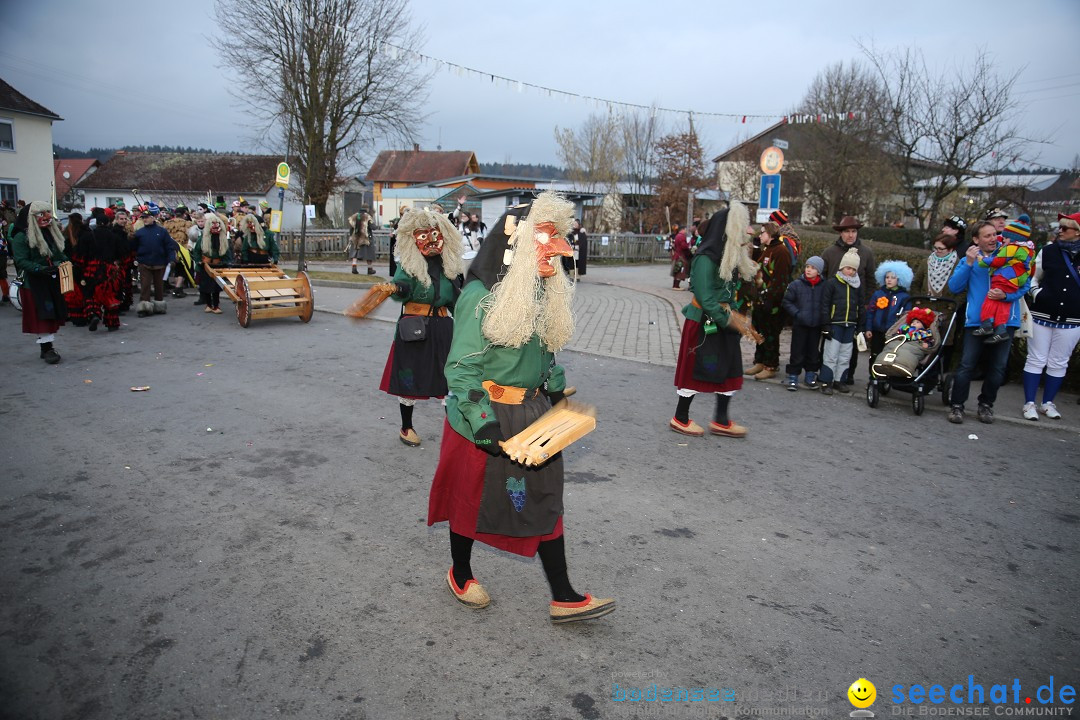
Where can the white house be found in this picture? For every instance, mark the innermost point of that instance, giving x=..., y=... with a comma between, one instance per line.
x=26, y=155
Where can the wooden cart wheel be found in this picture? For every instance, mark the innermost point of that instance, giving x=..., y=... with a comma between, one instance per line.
x=304, y=291
x=243, y=301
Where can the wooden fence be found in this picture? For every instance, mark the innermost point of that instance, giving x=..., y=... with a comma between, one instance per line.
x=624, y=248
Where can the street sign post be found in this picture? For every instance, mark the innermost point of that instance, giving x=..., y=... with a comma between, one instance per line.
x=770, y=193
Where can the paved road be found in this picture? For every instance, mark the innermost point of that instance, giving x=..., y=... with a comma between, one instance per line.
x=247, y=540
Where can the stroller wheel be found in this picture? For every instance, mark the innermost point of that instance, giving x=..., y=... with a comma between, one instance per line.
x=872, y=397
x=885, y=388
x=918, y=403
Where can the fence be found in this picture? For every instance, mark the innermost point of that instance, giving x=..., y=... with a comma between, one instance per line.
x=619, y=248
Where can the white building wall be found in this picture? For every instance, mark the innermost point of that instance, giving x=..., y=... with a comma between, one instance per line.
x=30, y=164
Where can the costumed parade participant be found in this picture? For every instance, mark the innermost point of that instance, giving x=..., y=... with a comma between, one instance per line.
x=101, y=272
x=427, y=284
x=38, y=248
x=361, y=245
x=78, y=239
x=513, y=315
x=258, y=248
x=710, y=359
x=213, y=250
x=177, y=227
x=122, y=221
x=154, y=251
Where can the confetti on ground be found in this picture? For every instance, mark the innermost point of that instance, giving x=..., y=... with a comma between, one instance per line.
x=88, y=381
x=198, y=374
x=973, y=436
x=140, y=388
x=209, y=365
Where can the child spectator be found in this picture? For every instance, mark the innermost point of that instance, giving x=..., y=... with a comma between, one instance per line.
x=802, y=303
x=894, y=278
x=1010, y=268
x=842, y=314
x=906, y=348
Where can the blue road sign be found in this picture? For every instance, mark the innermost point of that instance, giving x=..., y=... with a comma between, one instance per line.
x=770, y=192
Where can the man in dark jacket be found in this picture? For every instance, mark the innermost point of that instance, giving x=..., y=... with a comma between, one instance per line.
x=154, y=249
x=848, y=227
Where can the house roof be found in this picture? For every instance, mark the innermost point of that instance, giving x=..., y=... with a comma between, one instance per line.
x=186, y=172
x=75, y=168
x=12, y=99
x=1034, y=183
x=421, y=166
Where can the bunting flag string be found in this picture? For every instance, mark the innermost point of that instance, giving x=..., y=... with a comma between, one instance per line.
x=395, y=52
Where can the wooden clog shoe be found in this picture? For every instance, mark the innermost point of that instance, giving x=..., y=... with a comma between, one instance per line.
x=409, y=437
x=473, y=595
x=587, y=609
x=732, y=429
x=691, y=428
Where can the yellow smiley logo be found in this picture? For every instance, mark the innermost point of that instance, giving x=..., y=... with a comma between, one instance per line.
x=862, y=693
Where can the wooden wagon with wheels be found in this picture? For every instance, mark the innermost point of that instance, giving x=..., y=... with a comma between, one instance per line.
x=265, y=291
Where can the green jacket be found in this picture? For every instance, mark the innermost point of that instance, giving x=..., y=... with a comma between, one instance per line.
x=474, y=359
x=251, y=242
x=417, y=292
x=29, y=260
x=709, y=291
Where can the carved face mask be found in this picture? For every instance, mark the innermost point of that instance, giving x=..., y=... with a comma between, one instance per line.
x=43, y=218
x=215, y=227
x=549, y=244
x=429, y=241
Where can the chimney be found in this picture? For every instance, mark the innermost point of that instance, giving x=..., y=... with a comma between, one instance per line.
x=416, y=147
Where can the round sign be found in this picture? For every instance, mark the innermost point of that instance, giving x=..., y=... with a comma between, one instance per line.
x=282, y=179
x=772, y=159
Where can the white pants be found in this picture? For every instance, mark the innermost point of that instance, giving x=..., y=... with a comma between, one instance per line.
x=1050, y=348
x=836, y=358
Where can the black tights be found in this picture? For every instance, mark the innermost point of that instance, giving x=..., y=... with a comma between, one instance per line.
x=552, y=556
x=682, y=411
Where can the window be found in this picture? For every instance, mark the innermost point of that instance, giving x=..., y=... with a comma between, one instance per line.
x=7, y=134
x=110, y=201
x=9, y=191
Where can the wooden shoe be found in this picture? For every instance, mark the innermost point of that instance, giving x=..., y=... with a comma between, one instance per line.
x=409, y=437
x=473, y=595
x=691, y=428
x=587, y=609
x=766, y=374
x=754, y=369
x=732, y=429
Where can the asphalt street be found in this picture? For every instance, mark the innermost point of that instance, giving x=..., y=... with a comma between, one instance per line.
x=247, y=539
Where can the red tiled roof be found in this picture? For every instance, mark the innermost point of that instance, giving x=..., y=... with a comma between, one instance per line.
x=186, y=172
x=418, y=166
x=12, y=99
x=75, y=168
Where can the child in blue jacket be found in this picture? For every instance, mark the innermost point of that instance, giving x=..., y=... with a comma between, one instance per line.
x=886, y=305
x=802, y=303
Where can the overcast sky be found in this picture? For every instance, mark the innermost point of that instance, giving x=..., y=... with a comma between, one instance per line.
x=131, y=73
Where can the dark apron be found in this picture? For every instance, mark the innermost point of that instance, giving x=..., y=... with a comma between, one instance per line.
x=519, y=501
x=718, y=357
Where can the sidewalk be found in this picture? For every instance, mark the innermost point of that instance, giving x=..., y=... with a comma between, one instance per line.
x=631, y=312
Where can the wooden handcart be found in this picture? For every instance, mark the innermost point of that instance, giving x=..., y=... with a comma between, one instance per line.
x=265, y=291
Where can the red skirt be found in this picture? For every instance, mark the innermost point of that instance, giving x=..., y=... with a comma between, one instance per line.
x=31, y=323
x=456, y=492
x=684, y=367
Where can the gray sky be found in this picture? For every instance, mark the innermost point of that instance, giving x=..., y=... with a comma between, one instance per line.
x=123, y=72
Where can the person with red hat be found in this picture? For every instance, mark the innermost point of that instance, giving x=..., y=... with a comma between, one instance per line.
x=1055, y=316
x=849, y=227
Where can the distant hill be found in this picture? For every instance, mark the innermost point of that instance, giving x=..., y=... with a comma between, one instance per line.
x=103, y=154
x=546, y=172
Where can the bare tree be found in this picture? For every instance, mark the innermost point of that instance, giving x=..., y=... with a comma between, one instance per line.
x=593, y=154
x=316, y=77
x=846, y=168
x=680, y=171
x=945, y=129
x=639, y=133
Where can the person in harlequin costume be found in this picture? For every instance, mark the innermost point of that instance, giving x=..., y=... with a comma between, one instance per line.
x=213, y=250
x=427, y=284
x=514, y=313
x=38, y=247
x=710, y=359
x=1010, y=270
x=258, y=248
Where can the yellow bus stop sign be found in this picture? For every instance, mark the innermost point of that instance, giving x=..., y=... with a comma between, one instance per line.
x=282, y=179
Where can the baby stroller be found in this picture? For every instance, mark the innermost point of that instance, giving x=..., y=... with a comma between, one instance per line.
x=928, y=376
